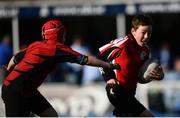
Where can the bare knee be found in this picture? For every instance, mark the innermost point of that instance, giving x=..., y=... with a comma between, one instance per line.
x=49, y=113
x=146, y=113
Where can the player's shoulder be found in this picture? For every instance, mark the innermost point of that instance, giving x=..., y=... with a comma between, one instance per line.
x=36, y=43
x=65, y=48
x=122, y=41
x=61, y=46
x=119, y=42
x=40, y=46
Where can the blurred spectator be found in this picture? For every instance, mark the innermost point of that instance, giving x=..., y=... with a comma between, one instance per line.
x=91, y=75
x=156, y=101
x=77, y=70
x=175, y=73
x=74, y=73
x=83, y=74
x=177, y=64
x=165, y=55
x=58, y=74
x=172, y=96
x=5, y=50
x=5, y=53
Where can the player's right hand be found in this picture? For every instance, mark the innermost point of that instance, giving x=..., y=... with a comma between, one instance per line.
x=111, y=87
x=4, y=69
x=115, y=66
x=112, y=82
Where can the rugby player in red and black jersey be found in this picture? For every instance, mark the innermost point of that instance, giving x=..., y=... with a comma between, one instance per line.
x=133, y=52
x=28, y=69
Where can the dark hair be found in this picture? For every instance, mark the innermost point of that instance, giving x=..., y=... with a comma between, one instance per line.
x=141, y=19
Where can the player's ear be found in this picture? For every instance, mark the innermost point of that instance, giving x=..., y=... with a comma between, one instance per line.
x=43, y=34
x=132, y=30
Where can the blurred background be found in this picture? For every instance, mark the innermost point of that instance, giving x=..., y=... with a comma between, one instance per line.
x=79, y=91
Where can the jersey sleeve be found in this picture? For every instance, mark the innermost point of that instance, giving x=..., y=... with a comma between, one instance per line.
x=109, y=51
x=19, y=56
x=67, y=54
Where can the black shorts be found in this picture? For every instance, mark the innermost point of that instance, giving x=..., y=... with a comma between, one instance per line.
x=18, y=104
x=124, y=101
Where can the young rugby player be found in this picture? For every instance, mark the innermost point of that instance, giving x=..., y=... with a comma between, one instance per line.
x=28, y=69
x=121, y=85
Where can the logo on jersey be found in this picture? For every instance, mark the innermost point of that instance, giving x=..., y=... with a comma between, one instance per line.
x=143, y=55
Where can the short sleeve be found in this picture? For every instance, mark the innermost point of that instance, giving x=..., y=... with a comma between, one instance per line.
x=67, y=54
x=19, y=56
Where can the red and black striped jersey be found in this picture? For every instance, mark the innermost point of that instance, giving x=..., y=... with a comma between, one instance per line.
x=131, y=58
x=37, y=60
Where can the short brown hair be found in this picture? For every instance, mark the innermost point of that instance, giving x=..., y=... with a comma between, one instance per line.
x=141, y=19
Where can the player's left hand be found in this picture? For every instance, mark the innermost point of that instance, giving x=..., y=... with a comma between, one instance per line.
x=112, y=82
x=157, y=74
x=5, y=70
x=115, y=66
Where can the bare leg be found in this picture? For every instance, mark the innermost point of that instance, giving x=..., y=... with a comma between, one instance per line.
x=49, y=113
x=146, y=113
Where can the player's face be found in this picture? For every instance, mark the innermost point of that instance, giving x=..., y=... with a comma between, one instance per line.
x=142, y=34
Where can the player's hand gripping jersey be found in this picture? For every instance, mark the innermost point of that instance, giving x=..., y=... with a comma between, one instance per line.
x=129, y=55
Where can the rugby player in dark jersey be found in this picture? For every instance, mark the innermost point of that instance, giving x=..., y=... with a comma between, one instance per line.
x=28, y=69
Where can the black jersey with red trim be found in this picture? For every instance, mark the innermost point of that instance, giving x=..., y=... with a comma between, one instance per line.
x=37, y=60
x=131, y=58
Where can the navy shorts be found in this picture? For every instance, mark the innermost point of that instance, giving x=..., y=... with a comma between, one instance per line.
x=18, y=104
x=124, y=101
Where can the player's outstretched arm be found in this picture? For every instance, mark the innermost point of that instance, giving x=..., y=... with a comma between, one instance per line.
x=11, y=64
x=15, y=60
x=9, y=67
x=93, y=61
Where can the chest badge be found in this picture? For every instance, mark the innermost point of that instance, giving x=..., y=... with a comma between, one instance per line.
x=143, y=55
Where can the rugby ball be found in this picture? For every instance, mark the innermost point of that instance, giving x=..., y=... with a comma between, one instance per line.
x=143, y=74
